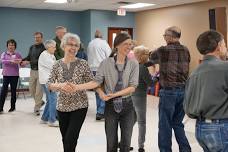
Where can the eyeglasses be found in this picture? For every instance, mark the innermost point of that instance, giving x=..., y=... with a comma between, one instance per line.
x=73, y=45
x=166, y=35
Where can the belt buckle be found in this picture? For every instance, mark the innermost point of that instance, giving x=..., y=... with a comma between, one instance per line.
x=208, y=121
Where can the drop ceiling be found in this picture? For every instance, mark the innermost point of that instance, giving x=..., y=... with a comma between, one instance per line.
x=81, y=5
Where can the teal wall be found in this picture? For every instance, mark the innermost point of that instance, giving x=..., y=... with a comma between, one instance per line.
x=20, y=24
x=104, y=19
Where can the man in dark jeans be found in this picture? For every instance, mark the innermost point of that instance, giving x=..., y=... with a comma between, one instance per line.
x=206, y=95
x=173, y=60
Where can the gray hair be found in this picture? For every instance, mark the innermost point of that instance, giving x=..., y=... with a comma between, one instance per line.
x=60, y=27
x=49, y=43
x=68, y=36
x=174, y=31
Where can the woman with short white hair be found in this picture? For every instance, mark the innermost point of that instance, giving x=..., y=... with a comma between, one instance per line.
x=71, y=106
x=139, y=97
x=45, y=64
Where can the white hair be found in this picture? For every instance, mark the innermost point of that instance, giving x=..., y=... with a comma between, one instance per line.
x=49, y=43
x=68, y=36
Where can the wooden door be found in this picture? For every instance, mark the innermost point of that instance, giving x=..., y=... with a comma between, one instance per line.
x=113, y=31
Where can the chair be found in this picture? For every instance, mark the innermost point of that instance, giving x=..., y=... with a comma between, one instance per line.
x=24, y=74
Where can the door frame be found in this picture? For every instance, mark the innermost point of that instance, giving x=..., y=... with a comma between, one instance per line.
x=130, y=31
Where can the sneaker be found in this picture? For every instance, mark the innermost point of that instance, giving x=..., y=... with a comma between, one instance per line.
x=1, y=111
x=99, y=116
x=43, y=122
x=53, y=124
x=141, y=150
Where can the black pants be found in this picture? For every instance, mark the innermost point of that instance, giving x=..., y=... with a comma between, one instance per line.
x=70, y=124
x=12, y=80
x=124, y=119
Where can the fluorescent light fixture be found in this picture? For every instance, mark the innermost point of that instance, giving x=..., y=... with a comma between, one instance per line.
x=137, y=5
x=56, y=1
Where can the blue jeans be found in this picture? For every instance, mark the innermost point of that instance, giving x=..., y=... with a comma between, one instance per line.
x=50, y=112
x=212, y=137
x=171, y=115
x=99, y=101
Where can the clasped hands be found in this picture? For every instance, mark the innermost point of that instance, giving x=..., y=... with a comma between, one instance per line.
x=67, y=87
x=16, y=61
x=106, y=97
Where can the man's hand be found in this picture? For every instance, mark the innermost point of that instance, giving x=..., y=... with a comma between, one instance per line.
x=24, y=63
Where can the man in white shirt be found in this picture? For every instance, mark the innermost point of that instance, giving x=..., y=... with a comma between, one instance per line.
x=98, y=50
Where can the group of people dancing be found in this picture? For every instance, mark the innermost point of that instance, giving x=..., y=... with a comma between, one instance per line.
x=119, y=81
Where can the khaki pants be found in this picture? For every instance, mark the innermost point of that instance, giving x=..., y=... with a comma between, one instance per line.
x=35, y=89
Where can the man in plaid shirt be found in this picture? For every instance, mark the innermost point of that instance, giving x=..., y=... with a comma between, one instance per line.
x=173, y=60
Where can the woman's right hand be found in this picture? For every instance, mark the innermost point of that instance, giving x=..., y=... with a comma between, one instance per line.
x=65, y=87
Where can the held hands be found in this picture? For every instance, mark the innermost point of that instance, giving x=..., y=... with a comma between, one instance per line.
x=24, y=63
x=67, y=87
x=16, y=61
x=107, y=97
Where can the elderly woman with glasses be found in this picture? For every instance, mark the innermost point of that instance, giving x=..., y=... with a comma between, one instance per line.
x=71, y=106
x=45, y=64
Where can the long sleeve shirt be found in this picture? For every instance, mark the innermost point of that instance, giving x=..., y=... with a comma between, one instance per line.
x=206, y=90
x=108, y=74
x=45, y=64
x=174, y=62
x=34, y=54
x=59, y=53
x=9, y=68
x=144, y=81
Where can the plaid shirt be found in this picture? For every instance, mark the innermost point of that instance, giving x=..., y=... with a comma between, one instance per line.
x=174, y=64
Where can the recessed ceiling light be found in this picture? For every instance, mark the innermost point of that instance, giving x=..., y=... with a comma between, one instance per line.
x=137, y=5
x=56, y=1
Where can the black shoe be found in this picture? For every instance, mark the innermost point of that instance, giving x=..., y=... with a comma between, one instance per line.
x=131, y=148
x=37, y=112
x=1, y=111
x=141, y=150
x=99, y=116
x=11, y=109
x=43, y=103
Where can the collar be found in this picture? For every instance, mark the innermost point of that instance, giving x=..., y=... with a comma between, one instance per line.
x=8, y=53
x=174, y=43
x=210, y=58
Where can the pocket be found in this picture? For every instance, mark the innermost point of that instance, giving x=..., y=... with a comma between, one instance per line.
x=212, y=138
x=224, y=132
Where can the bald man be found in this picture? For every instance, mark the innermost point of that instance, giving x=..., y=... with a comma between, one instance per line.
x=173, y=60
